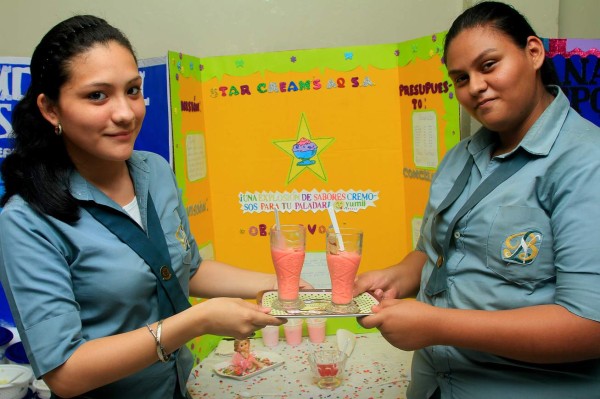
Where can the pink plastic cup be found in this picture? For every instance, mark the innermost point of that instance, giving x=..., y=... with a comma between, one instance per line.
x=316, y=329
x=270, y=336
x=293, y=332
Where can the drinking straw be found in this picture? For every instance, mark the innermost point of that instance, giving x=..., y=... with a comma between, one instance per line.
x=335, y=226
x=277, y=219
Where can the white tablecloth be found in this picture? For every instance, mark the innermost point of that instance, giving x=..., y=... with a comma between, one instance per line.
x=375, y=370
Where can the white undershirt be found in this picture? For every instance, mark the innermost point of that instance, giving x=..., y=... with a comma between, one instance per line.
x=134, y=210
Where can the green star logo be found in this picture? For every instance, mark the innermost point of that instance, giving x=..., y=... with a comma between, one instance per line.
x=304, y=151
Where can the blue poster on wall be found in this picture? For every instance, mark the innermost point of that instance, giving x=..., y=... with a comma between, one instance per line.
x=14, y=81
x=578, y=69
x=156, y=135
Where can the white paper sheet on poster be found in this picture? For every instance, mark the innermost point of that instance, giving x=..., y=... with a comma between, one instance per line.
x=424, y=126
x=305, y=201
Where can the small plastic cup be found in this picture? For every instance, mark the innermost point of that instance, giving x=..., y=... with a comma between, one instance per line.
x=293, y=332
x=270, y=336
x=316, y=329
x=15, y=354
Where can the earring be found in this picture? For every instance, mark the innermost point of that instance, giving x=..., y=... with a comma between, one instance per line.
x=58, y=129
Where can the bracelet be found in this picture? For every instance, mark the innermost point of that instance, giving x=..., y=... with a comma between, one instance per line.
x=160, y=350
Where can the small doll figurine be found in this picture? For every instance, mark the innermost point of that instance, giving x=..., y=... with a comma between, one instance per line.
x=243, y=360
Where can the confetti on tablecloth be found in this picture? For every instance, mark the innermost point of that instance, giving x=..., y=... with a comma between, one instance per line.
x=375, y=370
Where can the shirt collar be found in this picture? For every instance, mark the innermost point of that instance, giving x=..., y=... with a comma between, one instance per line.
x=540, y=137
x=83, y=190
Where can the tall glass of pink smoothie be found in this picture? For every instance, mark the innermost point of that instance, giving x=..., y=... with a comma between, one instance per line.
x=344, y=251
x=287, y=251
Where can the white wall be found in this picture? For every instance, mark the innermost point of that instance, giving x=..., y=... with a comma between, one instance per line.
x=579, y=19
x=220, y=27
x=210, y=28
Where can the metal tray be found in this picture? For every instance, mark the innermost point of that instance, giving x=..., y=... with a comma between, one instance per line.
x=315, y=303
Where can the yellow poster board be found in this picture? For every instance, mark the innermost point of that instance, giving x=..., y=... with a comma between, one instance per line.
x=360, y=129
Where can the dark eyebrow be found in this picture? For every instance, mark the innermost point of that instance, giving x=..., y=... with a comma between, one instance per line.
x=477, y=60
x=136, y=79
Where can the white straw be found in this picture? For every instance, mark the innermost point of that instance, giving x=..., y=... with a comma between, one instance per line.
x=336, y=228
x=277, y=219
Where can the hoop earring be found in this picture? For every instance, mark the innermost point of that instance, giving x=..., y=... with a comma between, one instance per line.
x=58, y=129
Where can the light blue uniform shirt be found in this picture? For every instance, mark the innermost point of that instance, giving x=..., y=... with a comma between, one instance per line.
x=68, y=284
x=533, y=240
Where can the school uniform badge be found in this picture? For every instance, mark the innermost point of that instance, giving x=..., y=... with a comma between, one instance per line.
x=182, y=237
x=522, y=248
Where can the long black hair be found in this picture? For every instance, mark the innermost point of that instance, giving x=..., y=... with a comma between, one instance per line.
x=505, y=19
x=39, y=167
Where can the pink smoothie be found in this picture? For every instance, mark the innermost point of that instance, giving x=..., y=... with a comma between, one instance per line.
x=288, y=266
x=316, y=330
x=293, y=332
x=342, y=271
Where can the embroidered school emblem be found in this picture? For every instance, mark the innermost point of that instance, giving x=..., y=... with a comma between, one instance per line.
x=182, y=238
x=522, y=248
